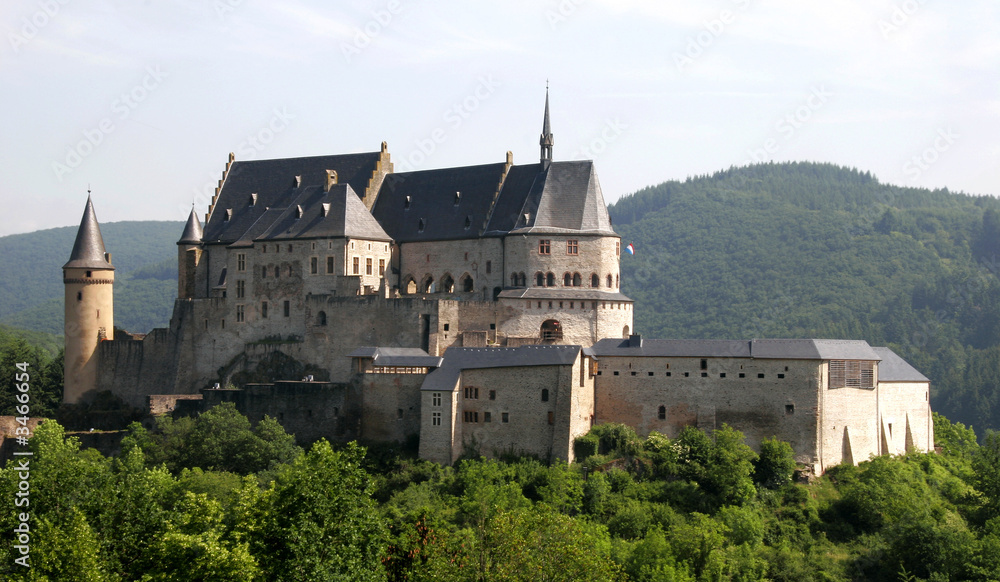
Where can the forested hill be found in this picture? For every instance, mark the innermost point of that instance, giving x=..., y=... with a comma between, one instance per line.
x=815, y=250
x=145, y=258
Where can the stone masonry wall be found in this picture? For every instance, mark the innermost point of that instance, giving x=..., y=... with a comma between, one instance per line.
x=904, y=407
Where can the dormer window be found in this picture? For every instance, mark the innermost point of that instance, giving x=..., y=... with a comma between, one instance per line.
x=229, y=215
x=298, y=181
x=406, y=203
x=420, y=225
x=298, y=211
x=253, y=199
x=458, y=198
x=468, y=222
x=326, y=208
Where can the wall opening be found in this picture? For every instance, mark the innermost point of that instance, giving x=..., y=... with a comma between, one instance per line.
x=551, y=331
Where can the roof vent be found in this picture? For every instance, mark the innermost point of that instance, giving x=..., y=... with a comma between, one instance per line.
x=298, y=181
x=458, y=197
x=527, y=218
x=229, y=215
x=298, y=211
x=253, y=199
x=420, y=225
x=331, y=179
x=468, y=222
x=406, y=203
x=326, y=208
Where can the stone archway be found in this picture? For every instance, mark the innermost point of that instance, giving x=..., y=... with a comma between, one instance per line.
x=551, y=331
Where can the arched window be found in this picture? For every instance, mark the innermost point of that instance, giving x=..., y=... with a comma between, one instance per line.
x=609, y=281
x=661, y=412
x=79, y=295
x=496, y=292
x=467, y=284
x=577, y=280
x=524, y=280
x=540, y=279
x=447, y=284
x=428, y=286
x=545, y=394
x=410, y=285
x=616, y=281
x=551, y=331
x=550, y=279
x=513, y=279
x=277, y=271
x=625, y=331
x=567, y=280
x=321, y=318
x=595, y=281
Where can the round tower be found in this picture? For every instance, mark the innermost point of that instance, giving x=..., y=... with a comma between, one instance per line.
x=188, y=256
x=89, y=281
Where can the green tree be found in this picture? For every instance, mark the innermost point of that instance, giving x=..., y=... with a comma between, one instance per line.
x=986, y=464
x=775, y=465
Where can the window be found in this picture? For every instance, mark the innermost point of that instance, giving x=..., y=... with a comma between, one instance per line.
x=79, y=295
x=567, y=280
x=595, y=281
x=277, y=271
x=368, y=266
x=435, y=399
x=263, y=272
x=544, y=247
x=240, y=289
x=90, y=274
x=288, y=308
x=471, y=392
x=789, y=409
x=704, y=364
x=609, y=281
x=241, y=262
x=661, y=413
x=329, y=265
x=289, y=247
x=263, y=310
x=572, y=247
x=381, y=267
x=550, y=280
x=577, y=280
x=471, y=416
x=539, y=280
x=239, y=313
x=504, y=417
x=357, y=265
x=760, y=375
x=545, y=394
x=851, y=374
x=314, y=264
x=436, y=419
x=321, y=318
x=552, y=417
x=618, y=248
x=493, y=394
x=487, y=417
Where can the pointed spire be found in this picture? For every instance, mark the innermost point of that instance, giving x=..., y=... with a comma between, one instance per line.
x=546, y=140
x=192, y=230
x=88, y=250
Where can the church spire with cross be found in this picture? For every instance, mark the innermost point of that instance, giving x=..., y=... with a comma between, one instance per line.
x=546, y=140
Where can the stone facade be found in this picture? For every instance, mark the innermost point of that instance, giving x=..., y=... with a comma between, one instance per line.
x=478, y=309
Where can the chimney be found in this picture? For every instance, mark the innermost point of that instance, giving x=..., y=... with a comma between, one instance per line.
x=635, y=341
x=331, y=179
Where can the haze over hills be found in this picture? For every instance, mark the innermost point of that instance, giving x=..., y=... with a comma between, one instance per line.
x=771, y=250
x=144, y=255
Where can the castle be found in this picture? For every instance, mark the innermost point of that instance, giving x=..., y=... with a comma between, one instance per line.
x=475, y=308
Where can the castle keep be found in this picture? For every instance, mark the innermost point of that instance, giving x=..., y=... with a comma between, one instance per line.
x=473, y=308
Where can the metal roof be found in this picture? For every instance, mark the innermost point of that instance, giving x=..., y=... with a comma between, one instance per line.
x=788, y=349
x=314, y=213
x=893, y=368
x=457, y=359
x=88, y=249
x=192, y=230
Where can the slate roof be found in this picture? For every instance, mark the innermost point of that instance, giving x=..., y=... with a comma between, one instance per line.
x=432, y=200
x=565, y=197
x=273, y=181
x=192, y=230
x=578, y=293
x=345, y=216
x=893, y=368
x=446, y=377
x=405, y=357
x=794, y=349
x=88, y=249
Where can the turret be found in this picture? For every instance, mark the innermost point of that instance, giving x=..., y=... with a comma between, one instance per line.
x=89, y=279
x=189, y=249
x=546, y=140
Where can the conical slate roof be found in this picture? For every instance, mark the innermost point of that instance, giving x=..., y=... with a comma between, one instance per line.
x=192, y=230
x=88, y=250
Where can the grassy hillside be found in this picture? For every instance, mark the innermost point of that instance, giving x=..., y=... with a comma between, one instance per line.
x=813, y=250
x=144, y=255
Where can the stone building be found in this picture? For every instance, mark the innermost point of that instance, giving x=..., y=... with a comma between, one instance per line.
x=474, y=308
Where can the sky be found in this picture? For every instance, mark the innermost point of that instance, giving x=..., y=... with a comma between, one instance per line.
x=142, y=101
